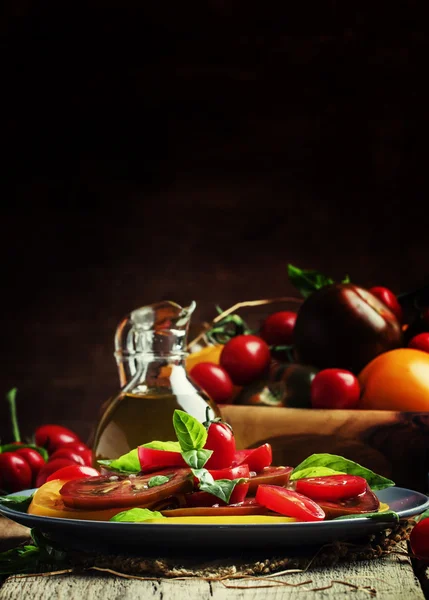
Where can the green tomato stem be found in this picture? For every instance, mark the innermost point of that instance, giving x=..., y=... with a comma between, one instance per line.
x=11, y=398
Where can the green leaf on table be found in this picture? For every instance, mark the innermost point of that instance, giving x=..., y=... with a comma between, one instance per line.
x=314, y=472
x=192, y=434
x=196, y=459
x=127, y=463
x=387, y=515
x=343, y=465
x=157, y=480
x=18, y=503
x=137, y=515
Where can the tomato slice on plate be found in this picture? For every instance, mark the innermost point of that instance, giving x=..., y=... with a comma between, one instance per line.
x=152, y=459
x=289, y=503
x=331, y=487
x=257, y=458
x=116, y=491
x=247, y=507
x=364, y=503
x=206, y=499
x=270, y=476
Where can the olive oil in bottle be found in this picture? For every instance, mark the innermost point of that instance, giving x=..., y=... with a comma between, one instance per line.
x=150, y=350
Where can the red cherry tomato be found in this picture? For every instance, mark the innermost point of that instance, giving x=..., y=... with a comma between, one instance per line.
x=389, y=299
x=289, y=503
x=332, y=487
x=419, y=540
x=15, y=472
x=67, y=453
x=214, y=380
x=73, y=472
x=51, y=467
x=245, y=358
x=335, y=388
x=277, y=329
x=220, y=439
x=53, y=437
x=34, y=459
x=420, y=342
x=152, y=459
x=257, y=459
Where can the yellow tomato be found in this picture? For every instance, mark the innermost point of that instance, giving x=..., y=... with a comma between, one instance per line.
x=207, y=354
x=396, y=380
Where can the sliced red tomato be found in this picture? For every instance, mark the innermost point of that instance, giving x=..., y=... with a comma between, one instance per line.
x=243, y=508
x=289, y=503
x=151, y=459
x=364, y=503
x=241, y=471
x=332, y=487
x=112, y=491
x=220, y=439
x=257, y=458
x=270, y=476
x=206, y=499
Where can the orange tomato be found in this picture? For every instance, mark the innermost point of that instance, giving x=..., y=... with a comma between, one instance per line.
x=207, y=354
x=396, y=380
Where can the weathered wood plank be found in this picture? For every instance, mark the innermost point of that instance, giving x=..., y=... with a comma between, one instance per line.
x=390, y=578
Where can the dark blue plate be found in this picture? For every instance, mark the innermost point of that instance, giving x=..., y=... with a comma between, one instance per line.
x=149, y=539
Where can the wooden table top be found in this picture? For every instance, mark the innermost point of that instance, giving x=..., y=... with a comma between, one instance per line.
x=386, y=578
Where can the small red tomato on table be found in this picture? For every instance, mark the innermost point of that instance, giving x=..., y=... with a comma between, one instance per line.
x=277, y=329
x=53, y=437
x=389, y=299
x=245, y=358
x=419, y=540
x=420, y=342
x=15, y=472
x=335, y=388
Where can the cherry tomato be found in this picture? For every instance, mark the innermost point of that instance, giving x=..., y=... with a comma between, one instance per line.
x=332, y=488
x=269, y=476
x=73, y=472
x=220, y=439
x=214, y=380
x=53, y=437
x=67, y=453
x=419, y=540
x=116, y=491
x=34, y=459
x=277, y=329
x=82, y=449
x=335, y=388
x=420, y=342
x=152, y=459
x=50, y=467
x=256, y=458
x=389, y=299
x=289, y=503
x=245, y=358
x=15, y=472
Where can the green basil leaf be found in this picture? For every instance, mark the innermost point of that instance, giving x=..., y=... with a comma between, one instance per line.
x=196, y=459
x=192, y=434
x=11, y=447
x=158, y=480
x=344, y=465
x=307, y=281
x=18, y=503
x=203, y=475
x=387, y=515
x=221, y=488
x=314, y=472
x=137, y=515
x=166, y=446
x=127, y=463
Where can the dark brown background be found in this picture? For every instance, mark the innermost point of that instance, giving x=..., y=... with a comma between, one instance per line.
x=191, y=152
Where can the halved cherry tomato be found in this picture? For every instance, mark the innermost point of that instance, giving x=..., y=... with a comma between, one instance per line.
x=269, y=476
x=206, y=499
x=115, y=491
x=289, y=503
x=257, y=458
x=220, y=439
x=53, y=437
x=73, y=472
x=419, y=540
x=332, y=487
x=151, y=459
